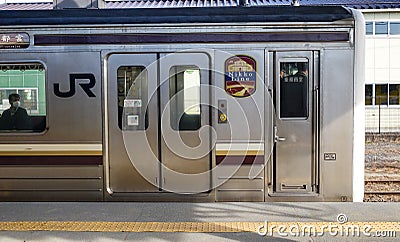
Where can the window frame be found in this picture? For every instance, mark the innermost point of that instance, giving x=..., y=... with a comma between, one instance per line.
x=372, y=95
x=374, y=103
x=388, y=34
x=391, y=84
x=121, y=119
x=174, y=71
x=46, y=99
x=387, y=94
x=386, y=23
x=295, y=60
x=390, y=28
x=372, y=25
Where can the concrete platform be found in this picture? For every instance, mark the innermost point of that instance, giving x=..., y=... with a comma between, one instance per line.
x=177, y=214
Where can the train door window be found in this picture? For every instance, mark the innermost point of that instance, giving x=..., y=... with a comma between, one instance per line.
x=184, y=86
x=394, y=94
x=368, y=94
x=381, y=94
x=23, y=97
x=294, y=89
x=132, y=97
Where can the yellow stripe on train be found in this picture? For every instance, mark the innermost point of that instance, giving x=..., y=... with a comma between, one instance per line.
x=50, y=149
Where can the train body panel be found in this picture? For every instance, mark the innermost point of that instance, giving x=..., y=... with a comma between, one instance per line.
x=183, y=111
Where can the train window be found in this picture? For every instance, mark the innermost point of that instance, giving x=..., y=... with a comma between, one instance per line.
x=368, y=94
x=395, y=28
x=184, y=93
x=23, y=98
x=381, y=27
x=369, y=28
x=132, y=97
x=294, y=89
x=381, y=94
x=394, y=94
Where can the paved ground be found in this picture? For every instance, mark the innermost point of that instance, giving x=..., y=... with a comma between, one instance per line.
x=190, y=212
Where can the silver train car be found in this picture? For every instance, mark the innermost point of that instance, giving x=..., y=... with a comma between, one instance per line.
x=210, y=104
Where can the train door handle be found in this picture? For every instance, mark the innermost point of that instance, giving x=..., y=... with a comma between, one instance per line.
x=276, y=137
x=279, y=139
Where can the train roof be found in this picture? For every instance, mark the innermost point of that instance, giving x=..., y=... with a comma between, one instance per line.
x=357, y=4
x=175, y=15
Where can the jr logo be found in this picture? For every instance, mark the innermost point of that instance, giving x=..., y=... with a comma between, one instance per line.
x=72, y=85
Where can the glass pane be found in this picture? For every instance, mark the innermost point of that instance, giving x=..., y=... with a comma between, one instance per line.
x=23, y=97
x=369, y=28
x=394, y=94
x=381, y=27
x=368, y=94
x=294, y=90
x=132, y=97
x=395, y=28
x=184, y=84
x=381, y=94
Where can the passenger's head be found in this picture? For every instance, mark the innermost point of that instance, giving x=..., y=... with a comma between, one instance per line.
x=14, y=98
x=282, y=72
x=302, y=67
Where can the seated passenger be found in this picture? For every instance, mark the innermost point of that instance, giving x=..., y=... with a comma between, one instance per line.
x=302, y=73
x=16, y=117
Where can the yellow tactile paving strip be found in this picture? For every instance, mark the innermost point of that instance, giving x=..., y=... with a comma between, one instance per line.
x=191, y=227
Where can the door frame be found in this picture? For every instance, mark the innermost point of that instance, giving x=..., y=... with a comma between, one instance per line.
x=275, y=58
x=125, y=59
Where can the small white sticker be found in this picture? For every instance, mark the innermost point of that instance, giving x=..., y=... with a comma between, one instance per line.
x=330, y=156
x=133, y=120
x=132, y=103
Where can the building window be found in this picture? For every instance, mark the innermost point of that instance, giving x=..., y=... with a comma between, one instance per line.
x=24, y=86
x=394, y=94
x=381, y=94
x=395, y=28
x=368, y=94
x=369, y=28
x=381, y=28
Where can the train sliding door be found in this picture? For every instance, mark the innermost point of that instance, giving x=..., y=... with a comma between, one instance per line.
x=158, y=138
x=131, y=123
x=295, y=122
x=185, y=136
